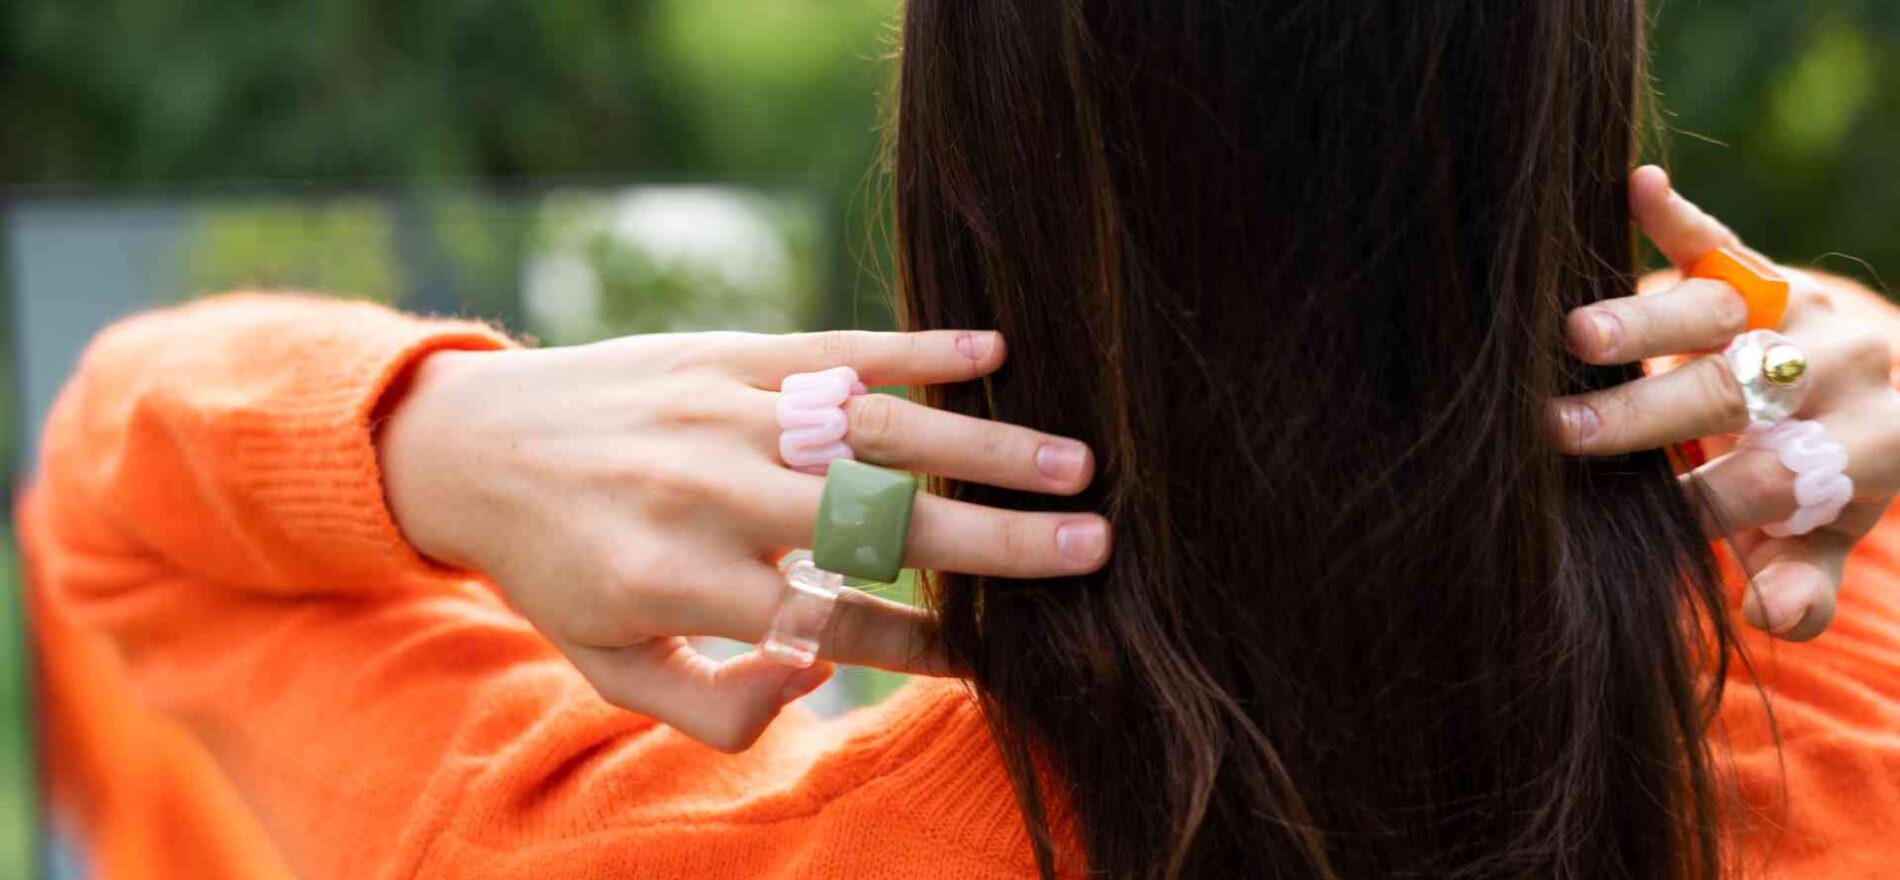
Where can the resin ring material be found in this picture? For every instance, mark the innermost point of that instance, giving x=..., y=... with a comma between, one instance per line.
x=1761, y=285
x=803, y=611
x=863, y=522
x=1771, y=371
x=811, y=418
x=1821, y=487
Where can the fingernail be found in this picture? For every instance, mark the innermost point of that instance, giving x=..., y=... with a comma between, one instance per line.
x=1580, y=421
x=976, y=346
x=1082, y=541
x=804, y=682
x=1780, y=610
x=1608, y=331
x=1062, y=461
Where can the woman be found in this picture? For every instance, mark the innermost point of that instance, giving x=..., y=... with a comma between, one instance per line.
x=1400, y=586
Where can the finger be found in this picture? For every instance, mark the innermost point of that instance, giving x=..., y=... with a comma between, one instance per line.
x=737, y=601
x=1750, y=487
x=1695, y=315
x=1682, y=231
x=1742, y=490
x=928, y=358
x=725, y=705
x=867, y=630
x=1694, y=400
x=1792, y=593
x=944, y=534
x=888, y=430
x=897, y=433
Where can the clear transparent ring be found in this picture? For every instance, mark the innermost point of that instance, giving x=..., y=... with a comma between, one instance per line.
x=804, y=610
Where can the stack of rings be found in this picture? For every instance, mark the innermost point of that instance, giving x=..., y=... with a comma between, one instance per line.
x=1772, y=372
x=863, y=515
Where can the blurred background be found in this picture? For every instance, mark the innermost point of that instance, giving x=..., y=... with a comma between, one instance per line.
x=577, y=169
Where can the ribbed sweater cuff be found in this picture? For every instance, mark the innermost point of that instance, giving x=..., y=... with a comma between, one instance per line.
x=310, y=460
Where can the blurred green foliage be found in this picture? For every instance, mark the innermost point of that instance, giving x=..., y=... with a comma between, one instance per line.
x=344, y=245
x=1783, y=119
x=187, y=91
x=1782, y=115
x=16, y=744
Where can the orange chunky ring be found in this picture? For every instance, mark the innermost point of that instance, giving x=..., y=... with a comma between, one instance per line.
x=1761, y=284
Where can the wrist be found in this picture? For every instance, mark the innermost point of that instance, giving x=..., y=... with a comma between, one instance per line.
x=417, y=454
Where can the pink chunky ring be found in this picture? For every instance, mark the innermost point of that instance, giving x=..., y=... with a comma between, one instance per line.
x=1821, y=486
x=811, y=418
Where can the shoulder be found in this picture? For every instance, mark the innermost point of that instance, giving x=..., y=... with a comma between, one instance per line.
x=924, y=764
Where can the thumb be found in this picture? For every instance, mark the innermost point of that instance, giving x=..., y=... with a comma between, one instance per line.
x=1796, y=580
x=755, y=679
x=1682, y=231
x=724, y=704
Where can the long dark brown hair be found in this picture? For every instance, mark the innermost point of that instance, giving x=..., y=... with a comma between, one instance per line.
x=1297, y=270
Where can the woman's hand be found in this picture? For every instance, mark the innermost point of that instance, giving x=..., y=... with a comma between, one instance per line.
x=626, y=494
x=1851, y=394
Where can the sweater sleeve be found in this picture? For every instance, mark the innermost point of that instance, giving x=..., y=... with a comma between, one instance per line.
x=209, y=506
x=231, y=438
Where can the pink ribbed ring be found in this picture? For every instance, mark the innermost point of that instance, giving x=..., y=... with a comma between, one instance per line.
x=811, y=417
x=1821, y=486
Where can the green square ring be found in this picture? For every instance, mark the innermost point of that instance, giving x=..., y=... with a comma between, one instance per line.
x=863, y=521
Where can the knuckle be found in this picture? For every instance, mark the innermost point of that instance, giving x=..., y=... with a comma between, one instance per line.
x=666, y=596
x=873, y=420
x=637, y=572
x=1869, y=351
x=1763, y=478
x=999, y=445
x=1721, y=396
x=1727, y=310
x=704, y=351
x=837, y=347
x=1016, y=543
x=694, y=400
x=672, y=489
x=1810, y=295
x=848, y=624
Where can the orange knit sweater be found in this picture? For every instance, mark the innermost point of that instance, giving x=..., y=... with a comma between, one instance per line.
x=248, y=674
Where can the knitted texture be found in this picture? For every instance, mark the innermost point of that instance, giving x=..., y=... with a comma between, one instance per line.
x=209, y=539
x=246, y=673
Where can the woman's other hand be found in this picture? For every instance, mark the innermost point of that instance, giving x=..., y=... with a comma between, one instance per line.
x=1851, y=393
x=627, y=494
